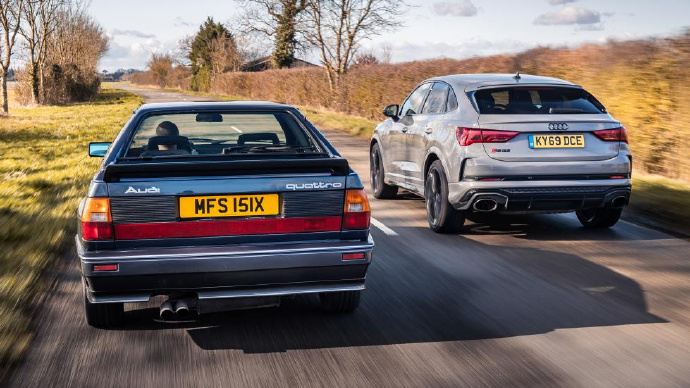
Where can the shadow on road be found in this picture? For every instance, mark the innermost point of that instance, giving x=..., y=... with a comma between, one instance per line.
x=456, y=292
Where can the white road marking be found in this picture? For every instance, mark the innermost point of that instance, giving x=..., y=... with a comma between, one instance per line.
x=235, y=128
x=383, y=227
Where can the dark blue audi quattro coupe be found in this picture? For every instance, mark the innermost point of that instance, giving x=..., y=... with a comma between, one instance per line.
x=228, y=203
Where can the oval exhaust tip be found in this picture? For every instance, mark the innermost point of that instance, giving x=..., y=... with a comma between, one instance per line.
x=619, y=202
x=485, y=205
x=166, y=311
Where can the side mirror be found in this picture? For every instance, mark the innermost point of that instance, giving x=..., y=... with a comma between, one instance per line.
x=391, y=111
x=98, y=149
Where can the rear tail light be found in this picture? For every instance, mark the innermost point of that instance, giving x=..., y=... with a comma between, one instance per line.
x=96, y=221
x=468, y=136
x=616, y=134
x=354, y=256
x=105, y=267
x=357, y=211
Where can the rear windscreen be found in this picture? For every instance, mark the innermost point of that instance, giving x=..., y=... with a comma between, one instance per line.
x=219, y=133
x=536, y=100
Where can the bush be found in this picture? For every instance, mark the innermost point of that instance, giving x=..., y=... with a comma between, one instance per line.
x=69, y=84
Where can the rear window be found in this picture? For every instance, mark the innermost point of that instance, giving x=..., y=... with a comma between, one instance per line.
x=219, y=133
x=536, y=100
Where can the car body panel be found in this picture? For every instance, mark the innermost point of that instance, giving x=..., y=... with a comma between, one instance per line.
x=514, y=163
x=146, y=192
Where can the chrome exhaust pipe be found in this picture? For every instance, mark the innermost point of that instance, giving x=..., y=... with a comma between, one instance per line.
x=619, y=202
x=182, y=309
x=166, y=312
x=485, y=205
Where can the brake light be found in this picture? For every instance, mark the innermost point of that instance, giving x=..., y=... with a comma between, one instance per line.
x=468, y=136
x=96, y=221
x=616, y=134
x=357, y=211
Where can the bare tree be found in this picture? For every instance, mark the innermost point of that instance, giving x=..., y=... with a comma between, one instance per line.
x=39, y=23
x=224, y=56
x=10, y=20
x=280, y=20
x=386, y=54
x=336, y=29
x=161, y=66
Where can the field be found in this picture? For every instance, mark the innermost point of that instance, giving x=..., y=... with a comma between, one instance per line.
x=45, y=171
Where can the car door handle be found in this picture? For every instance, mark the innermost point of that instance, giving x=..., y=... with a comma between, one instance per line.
x=404, y=130
x=428, y=131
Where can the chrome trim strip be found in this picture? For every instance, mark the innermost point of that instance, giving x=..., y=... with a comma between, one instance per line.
x=241, y=293
x=169, y=254
x=279, y=291
x=118, y=298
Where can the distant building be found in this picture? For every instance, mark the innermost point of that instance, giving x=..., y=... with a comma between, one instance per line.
x=263, y=64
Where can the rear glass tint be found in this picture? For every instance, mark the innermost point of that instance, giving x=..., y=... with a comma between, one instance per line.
x=216, y=133
x=536, y=100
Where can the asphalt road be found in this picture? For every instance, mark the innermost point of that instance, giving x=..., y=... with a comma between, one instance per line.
x=535, y=301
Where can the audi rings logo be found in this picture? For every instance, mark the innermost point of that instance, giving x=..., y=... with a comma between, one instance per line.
x=558, y=126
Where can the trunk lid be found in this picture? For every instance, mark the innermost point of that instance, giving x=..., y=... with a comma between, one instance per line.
x=530, y=127
x=162, y=201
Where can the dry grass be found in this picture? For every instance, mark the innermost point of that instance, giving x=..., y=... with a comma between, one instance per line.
x=45, y=170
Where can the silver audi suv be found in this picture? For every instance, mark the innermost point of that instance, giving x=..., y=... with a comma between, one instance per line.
x=506, y=144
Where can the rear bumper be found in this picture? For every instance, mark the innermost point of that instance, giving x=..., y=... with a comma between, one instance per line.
x=225, y=272
x=545, y=196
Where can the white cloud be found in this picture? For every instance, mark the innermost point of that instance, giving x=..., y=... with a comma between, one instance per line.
x=569, y=15
x=133, y=33
x=471, y=47
x=181, y=22
x=559, y=2
x=132, y=54
x=445, y=8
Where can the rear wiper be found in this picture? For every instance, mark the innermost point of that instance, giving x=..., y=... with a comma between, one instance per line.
x=565, y=110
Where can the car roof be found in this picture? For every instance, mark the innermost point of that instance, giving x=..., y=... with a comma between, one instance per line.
x=212, y=105
x=469, y=82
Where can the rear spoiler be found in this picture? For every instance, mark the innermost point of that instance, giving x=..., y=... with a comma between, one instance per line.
x=116, y=171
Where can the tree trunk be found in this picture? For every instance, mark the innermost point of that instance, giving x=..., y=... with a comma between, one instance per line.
x=35, y=91
x=5, y=103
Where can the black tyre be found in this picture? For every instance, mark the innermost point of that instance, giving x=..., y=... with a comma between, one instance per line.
x=380, y=189
x=599, y=218
x=340, y=302
x=442, y=217
x=104, y=315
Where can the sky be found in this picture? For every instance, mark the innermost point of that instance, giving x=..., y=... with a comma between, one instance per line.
x=432, y=29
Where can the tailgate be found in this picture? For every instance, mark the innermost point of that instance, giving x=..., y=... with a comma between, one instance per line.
x=202, y=207
x=542, y=138
x=240, y=201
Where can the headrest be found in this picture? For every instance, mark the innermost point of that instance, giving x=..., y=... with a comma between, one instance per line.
x=520, y=96
x=167, y=128
x=181, y=142
x=258, y=137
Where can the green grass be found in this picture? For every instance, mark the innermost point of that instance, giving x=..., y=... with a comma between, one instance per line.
x=663, y=200
x=45, y=171
x=357, y=126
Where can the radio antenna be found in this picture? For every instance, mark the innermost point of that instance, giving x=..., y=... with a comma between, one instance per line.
x=517, y=76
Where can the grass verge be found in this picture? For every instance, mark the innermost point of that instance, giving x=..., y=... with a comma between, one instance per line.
x=45, y=171
x=662, y=200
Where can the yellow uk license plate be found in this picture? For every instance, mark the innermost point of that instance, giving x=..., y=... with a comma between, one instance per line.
x=556, y=141
x=229, y=206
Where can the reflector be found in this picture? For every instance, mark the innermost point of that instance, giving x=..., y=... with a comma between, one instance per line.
x=354, y=256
